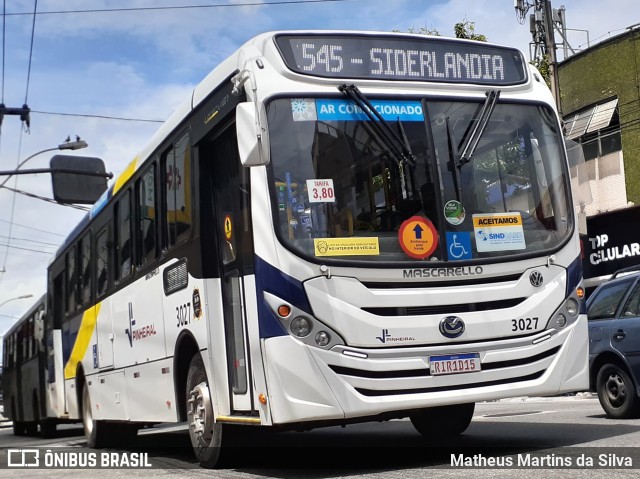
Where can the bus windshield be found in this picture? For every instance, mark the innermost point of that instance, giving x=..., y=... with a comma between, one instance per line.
x=341, y=194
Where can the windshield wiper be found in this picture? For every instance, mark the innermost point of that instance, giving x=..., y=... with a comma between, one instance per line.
x=470, y=144
x=398, y=147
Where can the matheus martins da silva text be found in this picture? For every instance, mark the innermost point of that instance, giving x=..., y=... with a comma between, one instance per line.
x=547, y=460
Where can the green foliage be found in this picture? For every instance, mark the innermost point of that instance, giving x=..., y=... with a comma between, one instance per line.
x=467, y=30
x=543, y=66
x=420, y=31
x=464, y=29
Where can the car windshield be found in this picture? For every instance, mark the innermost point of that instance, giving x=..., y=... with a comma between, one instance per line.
x=339, y=192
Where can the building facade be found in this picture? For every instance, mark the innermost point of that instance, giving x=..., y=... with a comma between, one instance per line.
x=600, y=96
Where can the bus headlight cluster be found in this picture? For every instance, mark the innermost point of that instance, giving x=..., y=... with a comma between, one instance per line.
x=302, y=325
x=567, y=313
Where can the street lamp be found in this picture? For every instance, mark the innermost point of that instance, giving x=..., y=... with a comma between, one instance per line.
x=67, y=145
x=24, y=296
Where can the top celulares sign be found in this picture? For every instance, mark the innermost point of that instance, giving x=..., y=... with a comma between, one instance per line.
x=401, y=58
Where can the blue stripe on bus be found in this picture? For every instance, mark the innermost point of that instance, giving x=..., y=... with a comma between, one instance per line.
x=274, y=281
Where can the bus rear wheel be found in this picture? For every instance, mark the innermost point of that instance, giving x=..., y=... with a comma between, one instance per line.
x=443, y=420
x=205, y=434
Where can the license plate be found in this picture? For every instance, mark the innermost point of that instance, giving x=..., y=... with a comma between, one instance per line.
x=454, y=364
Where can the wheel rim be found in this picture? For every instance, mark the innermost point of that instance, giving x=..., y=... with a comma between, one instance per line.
x=615, y=389
x=200, y=415
x=87, y=418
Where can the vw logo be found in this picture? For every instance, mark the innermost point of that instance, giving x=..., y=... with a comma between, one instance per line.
x=536, y=278
x=451, y=326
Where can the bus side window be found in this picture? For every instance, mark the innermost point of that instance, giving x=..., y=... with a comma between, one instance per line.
x=176, y=166
x=123, y=236
x=72, y=281
x=146, y=202
x=102, y=262
x=85, y=262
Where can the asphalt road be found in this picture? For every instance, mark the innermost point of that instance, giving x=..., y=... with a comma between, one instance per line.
x=541, y=437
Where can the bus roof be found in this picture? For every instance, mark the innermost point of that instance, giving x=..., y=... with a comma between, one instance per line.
x=29, y=312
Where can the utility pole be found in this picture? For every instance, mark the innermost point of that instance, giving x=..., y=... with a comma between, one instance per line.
x=550, y=41
x=24, y=113
x=542, y=24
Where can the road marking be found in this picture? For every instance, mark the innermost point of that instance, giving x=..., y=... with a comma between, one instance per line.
x=510, y=415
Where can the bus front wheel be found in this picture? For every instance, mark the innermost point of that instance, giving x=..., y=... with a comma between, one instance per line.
x=205, y=434
x=443, y=420
x=95, y=431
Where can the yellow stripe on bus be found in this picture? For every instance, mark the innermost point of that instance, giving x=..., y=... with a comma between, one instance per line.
x=125, y=175
x=83, y=338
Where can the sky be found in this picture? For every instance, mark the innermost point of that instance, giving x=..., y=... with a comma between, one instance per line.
x=112, y=77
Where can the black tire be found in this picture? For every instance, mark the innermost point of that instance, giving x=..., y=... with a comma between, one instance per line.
x=48, y=428
x=96, y=432
x=441, y=421
x=205, y=435
x=617, y=393
x=31, y=428
x=19, y=428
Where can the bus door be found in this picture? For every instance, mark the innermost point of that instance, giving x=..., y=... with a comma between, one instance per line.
x=54, y=377
x=233, y=235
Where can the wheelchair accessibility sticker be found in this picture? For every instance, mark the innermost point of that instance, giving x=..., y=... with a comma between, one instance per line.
x=459, y=245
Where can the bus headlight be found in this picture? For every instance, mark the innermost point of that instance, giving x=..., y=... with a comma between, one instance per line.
x=561, y=320
x=323, y=338
x=572, y=307
x=300, y=327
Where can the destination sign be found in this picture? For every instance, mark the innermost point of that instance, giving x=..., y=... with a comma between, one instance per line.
x=432, y=59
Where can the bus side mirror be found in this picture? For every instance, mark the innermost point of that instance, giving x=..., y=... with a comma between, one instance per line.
x=78, y=179
x=252, y=137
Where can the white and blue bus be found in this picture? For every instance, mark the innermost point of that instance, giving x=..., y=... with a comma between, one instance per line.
x=334, y=227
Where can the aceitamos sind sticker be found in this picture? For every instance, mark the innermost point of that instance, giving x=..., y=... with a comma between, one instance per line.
x=498, y=232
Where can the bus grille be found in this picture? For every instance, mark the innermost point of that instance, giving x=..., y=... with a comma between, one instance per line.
x=445, y=308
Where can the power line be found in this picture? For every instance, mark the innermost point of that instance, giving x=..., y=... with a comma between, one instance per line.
x=35, y=229
x=13, y=209
x=48, y=200
x=4, y=22
x=25, y=249
x=46, y=243
x=176, y=7
x=105, y=117
x=33, y=34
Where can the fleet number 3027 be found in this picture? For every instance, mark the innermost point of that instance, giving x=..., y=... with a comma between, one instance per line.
x=183, y=313
x=524, y=324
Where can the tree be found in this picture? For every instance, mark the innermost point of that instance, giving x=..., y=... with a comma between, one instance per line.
x=464, y=29
x=543, y=66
